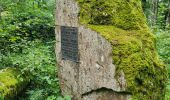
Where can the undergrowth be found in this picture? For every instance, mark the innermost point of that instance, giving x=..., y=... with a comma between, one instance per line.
x=38, y=59
x=163, y=47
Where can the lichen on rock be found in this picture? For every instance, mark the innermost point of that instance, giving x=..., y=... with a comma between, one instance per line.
x=123, y=24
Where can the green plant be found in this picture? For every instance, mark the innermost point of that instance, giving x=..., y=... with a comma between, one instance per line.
x=39, y=61
x=23, y=21
x=26, y=42
x=163, y=47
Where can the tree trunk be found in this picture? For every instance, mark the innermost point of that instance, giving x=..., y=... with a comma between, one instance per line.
x=153, y=12
x=167, y=16
x=1, y=9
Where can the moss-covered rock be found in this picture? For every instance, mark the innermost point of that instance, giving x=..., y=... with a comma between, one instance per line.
x=125, y=14
x=11, y=83
x=123, y=24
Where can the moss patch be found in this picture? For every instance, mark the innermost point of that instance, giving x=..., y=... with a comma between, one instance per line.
x=11, y=83
x=125, y=14
x=123, y=24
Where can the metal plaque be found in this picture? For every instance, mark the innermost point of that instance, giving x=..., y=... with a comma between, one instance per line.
x=69, y=43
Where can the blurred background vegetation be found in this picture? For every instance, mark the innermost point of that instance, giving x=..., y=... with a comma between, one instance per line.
x=27, y=41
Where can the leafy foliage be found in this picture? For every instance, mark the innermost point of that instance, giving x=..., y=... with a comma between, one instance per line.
x=22, y=21
x=26, y=42
x=163, y=46
x=37, y=59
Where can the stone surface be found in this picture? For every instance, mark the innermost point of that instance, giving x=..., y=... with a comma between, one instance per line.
x=105, y=94
x=96, y=69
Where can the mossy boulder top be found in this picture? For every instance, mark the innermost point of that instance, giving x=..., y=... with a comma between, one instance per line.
x=123, y=24
x=125, y=14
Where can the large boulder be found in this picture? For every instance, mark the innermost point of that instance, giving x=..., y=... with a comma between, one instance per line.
x=117, y=55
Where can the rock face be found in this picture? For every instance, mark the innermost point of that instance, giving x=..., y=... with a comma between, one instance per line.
x=116, y=57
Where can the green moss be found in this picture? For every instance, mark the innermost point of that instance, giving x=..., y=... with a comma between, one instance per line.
x=125, y=14
x=123, y=24
x=10, y=83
